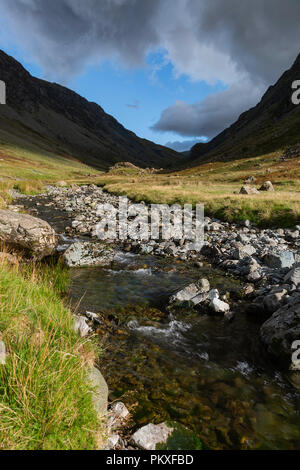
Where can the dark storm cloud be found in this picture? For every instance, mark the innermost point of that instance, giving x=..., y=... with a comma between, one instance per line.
x=210, y=116
x=249, y=41
x=65, y=35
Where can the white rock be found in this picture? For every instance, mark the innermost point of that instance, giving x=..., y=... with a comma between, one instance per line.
x=219, y=306
x=213, y=294
x=112, y=441
x=80, y=326
x=150, y=435
x=119, y=410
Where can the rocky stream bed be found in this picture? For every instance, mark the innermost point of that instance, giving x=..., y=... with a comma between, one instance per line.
x=172, y=351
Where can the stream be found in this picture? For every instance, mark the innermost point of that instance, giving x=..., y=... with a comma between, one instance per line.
x=203, y=371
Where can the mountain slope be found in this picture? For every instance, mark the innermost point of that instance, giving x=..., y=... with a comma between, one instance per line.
x=56, y=119
x=271, y=125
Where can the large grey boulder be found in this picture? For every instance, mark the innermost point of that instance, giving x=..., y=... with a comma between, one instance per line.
x=283, y=259
x=149, y=436
x=280, y=331
x=87, y=254
x=99, y=391
x=24, y=232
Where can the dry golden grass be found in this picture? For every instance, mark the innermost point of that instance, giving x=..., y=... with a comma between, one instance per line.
x=215, y=185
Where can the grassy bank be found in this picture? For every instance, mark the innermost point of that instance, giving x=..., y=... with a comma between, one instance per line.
x=45, y=402
x=29, y=169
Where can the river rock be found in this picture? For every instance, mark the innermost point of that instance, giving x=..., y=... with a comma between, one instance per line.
x=280, y=331
x=81, y=326
x=293, y=276
x=216, y=304
x=149, y=436
x=99, y=391
x=24, y=232
x=88, y=253
x=273, y=301
x=243, y=251
x=283, y=259
x=195, y=292
x=112, y=442
x=119, y=410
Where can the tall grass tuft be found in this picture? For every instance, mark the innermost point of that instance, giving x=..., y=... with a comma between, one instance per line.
x=45, y=402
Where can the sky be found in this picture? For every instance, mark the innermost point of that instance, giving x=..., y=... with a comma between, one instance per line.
x=172, y=71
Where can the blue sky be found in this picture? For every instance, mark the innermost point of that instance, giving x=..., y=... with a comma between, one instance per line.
x=136, y=96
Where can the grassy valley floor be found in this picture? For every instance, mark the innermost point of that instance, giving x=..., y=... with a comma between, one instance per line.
x=217, y=185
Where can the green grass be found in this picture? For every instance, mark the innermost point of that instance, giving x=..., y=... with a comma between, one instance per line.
x=30, y=169
x=45, y=402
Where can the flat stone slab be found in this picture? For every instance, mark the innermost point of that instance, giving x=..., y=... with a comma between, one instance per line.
x=87, y=254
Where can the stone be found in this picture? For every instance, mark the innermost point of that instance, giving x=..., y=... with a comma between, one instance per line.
x=194, y=292
x=267, y=186
x=2, y=353
x=243, y=251
x=149, y=436
x=87, y=254
x=293, y=276
x=280, y=331
x=213, y=294
x=254, y=276
x=81, y=326
x=246, y=189
x=250, y=180
x=283, y=259
x=8, y=258
x=273, y=302
x=27, y=233
x=219, y=306
x=210, y=251
x=99, y=391
x=112, y=442
x=61, y=184
x=119, y=410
